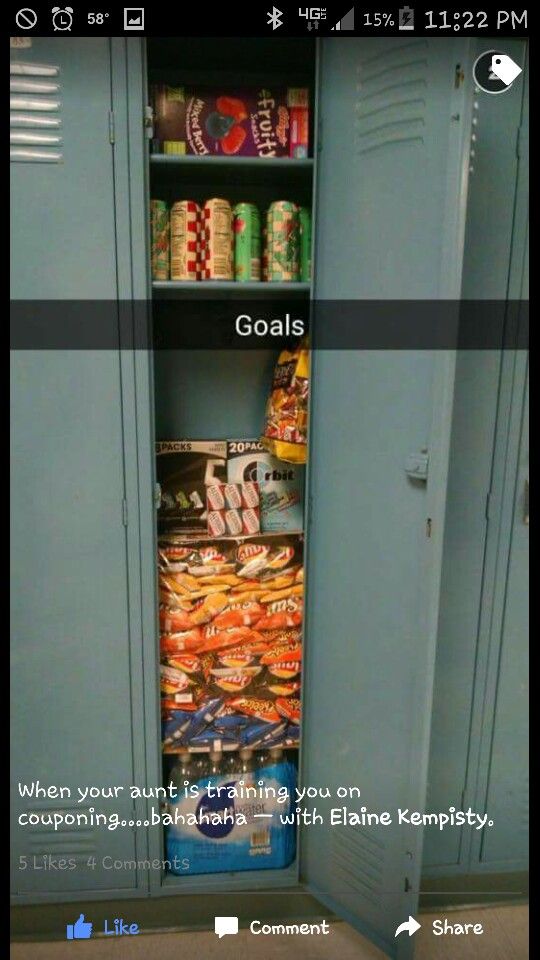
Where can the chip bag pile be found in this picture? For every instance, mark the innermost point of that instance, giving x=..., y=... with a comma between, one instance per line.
x=231, y=614
x=285, y=432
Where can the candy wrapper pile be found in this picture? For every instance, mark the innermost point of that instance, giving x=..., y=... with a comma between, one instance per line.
x=231, y=614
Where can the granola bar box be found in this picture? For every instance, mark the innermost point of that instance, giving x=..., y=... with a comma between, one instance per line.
x=246, y=123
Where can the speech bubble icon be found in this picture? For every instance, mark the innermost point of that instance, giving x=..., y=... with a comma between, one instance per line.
x=504, y=68
x=225, y=926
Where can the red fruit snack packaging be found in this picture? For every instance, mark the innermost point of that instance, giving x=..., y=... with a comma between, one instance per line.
x=257, y=122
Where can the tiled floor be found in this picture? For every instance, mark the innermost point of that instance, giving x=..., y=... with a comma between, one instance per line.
x=505, y=937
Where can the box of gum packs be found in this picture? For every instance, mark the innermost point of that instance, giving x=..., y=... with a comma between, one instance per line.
x=233, y=509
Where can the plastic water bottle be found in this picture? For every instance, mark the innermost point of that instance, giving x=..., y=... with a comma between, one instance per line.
x=271, y=757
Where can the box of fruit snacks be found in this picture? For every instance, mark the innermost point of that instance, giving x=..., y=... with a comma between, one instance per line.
x=261, y=122
x=230, y=613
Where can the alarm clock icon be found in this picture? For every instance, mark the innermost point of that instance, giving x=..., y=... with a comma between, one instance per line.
x=62, y=18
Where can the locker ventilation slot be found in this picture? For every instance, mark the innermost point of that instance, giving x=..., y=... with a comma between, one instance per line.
x=357, y=863
x=391, y=97
x=70, y=841
x=35, y=119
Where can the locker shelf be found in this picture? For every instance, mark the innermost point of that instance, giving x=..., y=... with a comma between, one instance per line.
x=226, y=748
x=238, y=178
x=218, y=287
x=239, y=880
x=255, y=163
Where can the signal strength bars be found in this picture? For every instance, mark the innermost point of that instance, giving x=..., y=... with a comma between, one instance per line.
x=346, y=22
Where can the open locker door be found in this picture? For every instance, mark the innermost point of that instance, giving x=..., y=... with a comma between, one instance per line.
x=390, y=212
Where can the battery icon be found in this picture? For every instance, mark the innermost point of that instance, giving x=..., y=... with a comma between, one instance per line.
x=406, y=18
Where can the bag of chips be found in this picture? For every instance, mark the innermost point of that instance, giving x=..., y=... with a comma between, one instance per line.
x=285, y=432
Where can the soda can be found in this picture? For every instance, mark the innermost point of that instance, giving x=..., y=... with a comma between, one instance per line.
x=264, y=257
x=185, y=240
x=304, y=220
x=247, y=242
x=283, y=241
x=160, y=244
x=217, y=240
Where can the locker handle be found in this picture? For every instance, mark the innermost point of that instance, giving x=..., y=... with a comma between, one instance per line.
x=417, y=465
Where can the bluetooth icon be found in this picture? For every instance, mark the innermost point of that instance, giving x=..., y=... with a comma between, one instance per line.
x=274, y=18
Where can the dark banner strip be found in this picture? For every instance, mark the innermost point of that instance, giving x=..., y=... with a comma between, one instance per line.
x=261, y=324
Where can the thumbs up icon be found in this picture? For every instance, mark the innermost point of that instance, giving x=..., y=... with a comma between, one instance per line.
x=80, y=930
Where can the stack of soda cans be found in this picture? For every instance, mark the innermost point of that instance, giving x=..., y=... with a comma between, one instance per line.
x=218, y=242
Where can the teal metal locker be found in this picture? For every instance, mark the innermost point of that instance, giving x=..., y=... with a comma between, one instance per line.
x=391, y=177
x=486, y=391
x=75, y=678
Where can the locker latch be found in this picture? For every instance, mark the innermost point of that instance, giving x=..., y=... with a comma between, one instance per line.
x=149, y=122
x=417, y=465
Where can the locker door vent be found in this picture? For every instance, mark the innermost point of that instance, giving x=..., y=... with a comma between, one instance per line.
x=391, y=97
x=358, y=861
x=35, y=113
x=71, y=841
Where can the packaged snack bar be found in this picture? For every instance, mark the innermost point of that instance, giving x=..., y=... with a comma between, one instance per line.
x=231, y=122
x=285, y=433
x=299, y=130
x=217, y=240
x=160, y=239
x=185, y=240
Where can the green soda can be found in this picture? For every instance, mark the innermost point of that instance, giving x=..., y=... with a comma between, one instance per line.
x=304, y=219
x=160, y=244
x=247, y=242
x=283, y=241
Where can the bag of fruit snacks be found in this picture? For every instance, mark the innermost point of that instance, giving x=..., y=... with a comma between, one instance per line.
x=285, y=432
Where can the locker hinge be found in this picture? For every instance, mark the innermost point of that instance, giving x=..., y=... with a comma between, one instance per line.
x=319, y=134
x=407, y=885
x=459, y=76
x=489, y=501
x=124, y=512
x=148, y=122
x=157, y=495
x=111, y=126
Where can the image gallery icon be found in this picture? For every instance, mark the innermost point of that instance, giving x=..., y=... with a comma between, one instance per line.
x=80, y=930
x=133, y=18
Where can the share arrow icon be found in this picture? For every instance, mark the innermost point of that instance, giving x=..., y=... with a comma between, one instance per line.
x=411, y=925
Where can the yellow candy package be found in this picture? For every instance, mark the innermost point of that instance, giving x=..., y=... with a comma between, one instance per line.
x=285, y=432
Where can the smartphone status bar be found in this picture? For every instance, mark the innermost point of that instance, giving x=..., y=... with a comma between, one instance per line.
x=264, y=20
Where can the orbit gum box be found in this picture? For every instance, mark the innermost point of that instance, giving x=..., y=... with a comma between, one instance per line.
x=281, y=485
x=261, y=122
